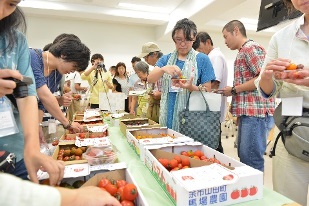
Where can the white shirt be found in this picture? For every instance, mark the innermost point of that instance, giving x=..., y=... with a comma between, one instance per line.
x=15, y=191
x=77, y=80
x=220, y=67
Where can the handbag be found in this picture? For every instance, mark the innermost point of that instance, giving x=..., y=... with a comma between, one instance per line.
x=294, y=133
x=202, y=126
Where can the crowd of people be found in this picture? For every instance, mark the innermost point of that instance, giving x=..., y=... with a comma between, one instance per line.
x=253, y=94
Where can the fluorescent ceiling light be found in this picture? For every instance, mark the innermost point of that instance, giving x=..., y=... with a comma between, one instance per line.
x=139, y=7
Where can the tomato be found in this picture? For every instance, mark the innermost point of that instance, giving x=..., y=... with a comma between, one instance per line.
x=253, y=190
x=55, y=142
x=244, y=192
x=173, y=163
x=103, y=182
x=185, y=162
x=127, y=203
x=120, y=183
x=235, y=194
x=82, y=135
x=164, y=162
x=119, y=194
x=178, y=159
x=198, y=153
x=91, y=135
x=111, y=189
x=292, y=66
x=130, y=192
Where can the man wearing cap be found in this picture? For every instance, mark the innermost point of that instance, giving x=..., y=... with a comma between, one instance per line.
x=151, y=53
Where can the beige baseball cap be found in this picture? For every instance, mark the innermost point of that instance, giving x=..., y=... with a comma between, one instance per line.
x=147, y=48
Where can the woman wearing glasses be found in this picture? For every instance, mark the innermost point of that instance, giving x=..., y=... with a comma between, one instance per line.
x=184, y=62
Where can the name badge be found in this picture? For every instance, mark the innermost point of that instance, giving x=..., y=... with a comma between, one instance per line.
x=292, y=106
x=8, y=124
x=52, y=127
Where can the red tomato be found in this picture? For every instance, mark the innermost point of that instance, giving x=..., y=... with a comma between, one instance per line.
x=111, y=189
x=103, y=182
x=198, y=153
x=173, y=163
x=130, y=192
x=127, y=203
x=253, y=190
x=82, y=135
x=244, y=192
x=235, y=194
x=119, y=194
x=120, y=183
x=178, y=158
x=185, y=162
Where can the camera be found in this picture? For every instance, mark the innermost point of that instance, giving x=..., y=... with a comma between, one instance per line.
x=21, y=89
x=101, y=65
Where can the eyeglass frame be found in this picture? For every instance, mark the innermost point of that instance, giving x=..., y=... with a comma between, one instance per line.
x=186, y=41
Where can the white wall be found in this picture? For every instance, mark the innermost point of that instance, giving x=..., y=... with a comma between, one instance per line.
x=116, y=42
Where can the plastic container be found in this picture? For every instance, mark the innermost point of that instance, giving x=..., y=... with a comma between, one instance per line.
x=100, y=155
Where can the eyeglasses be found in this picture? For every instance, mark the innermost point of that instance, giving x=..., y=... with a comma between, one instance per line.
x=179, y=41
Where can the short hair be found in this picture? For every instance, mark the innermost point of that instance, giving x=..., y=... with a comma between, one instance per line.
x=229, y=27
x=142, y=67
x=60, y=37
x=72, y=50
x=96, y=56
x=187, y=26
x=119, y=65
x=135, y=59
x=113, y=68
x=201, y=37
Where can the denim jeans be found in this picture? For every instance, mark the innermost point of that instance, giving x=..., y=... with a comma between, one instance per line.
x=20, y=170
x=252, y=138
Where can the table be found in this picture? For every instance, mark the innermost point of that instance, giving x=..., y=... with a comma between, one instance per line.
x=153, y=192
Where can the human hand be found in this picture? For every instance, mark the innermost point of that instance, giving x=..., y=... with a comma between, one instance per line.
x=7, y=86
x=76, y=127
x=66, y=99
x=186, y=84
x=172, y=70
x=35, y=160
x=89, y=195
x=301, y=78
x=156, y=95
x=226, y=91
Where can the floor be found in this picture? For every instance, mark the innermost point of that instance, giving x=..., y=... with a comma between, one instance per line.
x=229, y=149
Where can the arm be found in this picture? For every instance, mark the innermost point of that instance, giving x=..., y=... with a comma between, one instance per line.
x=50, y=103
x=158, y=72
x=133, y=104
x=34, y=159
x=215, y=84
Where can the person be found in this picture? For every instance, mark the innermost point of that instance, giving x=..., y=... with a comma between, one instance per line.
x=23, y=193
x=77, y=90
x=98, y=78
x=288, y=45
x=117, y=86
x=254, y=113
x=132, y=79
x=123, y=80
x=112, y=70
x=15, y=62
x=142, y=70
x=151, y=53
x=204, y=43
x=183, y=62
x=64, y=56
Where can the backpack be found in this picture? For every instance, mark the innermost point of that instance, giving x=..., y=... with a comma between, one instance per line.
x=294, y=133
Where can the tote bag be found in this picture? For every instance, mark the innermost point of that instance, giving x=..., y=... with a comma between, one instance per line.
x=203, y=126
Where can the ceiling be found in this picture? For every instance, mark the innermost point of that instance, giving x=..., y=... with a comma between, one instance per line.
x=161, y=14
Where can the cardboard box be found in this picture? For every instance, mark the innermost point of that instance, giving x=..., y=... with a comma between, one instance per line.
x=118, y=175
x=136, y=123
x=206, y=184
x=63, y=145
x=161, y=136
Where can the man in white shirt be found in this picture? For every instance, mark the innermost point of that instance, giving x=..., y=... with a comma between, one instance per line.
x=203, y=43
x=77, y=90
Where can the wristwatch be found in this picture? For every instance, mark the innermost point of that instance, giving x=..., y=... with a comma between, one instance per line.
x=67, y=126
x=233, y=91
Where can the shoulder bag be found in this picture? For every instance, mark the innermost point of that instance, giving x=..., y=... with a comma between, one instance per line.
x=202, y=126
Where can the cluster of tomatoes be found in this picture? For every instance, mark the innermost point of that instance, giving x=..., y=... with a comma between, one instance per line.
x=125, y=192
x=70, y=153
x=84, y=135
x=198, y=154
x=176, y=163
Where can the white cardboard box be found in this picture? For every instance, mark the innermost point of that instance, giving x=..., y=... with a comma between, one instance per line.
x=117, y=175
x=190, y=186
x=139, y=145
